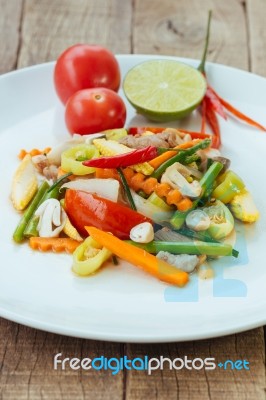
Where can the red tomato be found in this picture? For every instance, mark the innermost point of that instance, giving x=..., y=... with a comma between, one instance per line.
x=84, y=66
x=86, y=209
x=94, y=110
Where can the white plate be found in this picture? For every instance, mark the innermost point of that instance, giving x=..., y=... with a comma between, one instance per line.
x=123, y=303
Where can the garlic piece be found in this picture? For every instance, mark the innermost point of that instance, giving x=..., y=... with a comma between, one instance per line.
x=52, y=218
x=142, y=233
x=198, y=220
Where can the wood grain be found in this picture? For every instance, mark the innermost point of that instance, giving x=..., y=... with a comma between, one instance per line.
x=10, y=33
x=199, y=384
x=179, y=28
x=256, y=10
x=140, y=26
x=49, y=27
x=26, y=366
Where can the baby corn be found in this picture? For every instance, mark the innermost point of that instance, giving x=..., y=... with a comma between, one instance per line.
x=24, y=185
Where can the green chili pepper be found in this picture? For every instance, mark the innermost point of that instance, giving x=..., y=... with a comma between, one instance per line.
x=222, y=221
x=89, y=256
x=127, y=189
x=231, y=185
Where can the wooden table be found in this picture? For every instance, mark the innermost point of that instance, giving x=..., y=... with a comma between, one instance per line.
x=35, y=31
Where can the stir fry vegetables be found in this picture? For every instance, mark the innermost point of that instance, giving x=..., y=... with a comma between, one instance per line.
x=167, y=220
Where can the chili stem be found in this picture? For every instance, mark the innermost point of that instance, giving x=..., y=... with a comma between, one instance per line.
x=201, y=67
x=127, y=190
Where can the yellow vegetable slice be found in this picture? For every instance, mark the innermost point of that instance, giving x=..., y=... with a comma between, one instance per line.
x=24, y=184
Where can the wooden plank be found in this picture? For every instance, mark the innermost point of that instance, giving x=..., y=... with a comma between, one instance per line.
x=200, y=384
x=178, y=28
x=26, y=366
x=10, y=33
x=256, y=11
x=49, y=27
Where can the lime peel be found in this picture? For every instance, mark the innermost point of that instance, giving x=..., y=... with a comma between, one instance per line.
x=164, y=90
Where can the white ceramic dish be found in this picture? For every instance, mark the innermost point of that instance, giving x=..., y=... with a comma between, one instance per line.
x=123, y=303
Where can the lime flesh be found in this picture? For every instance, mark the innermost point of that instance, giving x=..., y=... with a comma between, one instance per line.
x=164, y=90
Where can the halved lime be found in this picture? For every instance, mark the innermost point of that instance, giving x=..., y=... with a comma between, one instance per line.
x=164, y=90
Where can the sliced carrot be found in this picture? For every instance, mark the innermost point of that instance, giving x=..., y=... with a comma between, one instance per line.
x=136, y=181
x=57, y=245
x=184, y=204
x=174, y=197
x=22, y=154
x=33, y=152
x=157, y=161
x=162, y=190
x=140, y=258
x=61, y=172
x=149, y=185
x=106, y=173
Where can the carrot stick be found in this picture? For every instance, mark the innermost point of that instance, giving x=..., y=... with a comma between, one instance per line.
x=157, y=161
x=140, y=258
x=53, y=244
x=240, y=115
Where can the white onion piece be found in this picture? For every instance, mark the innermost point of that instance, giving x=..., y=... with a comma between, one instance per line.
x=106, y=188
x=145, y=207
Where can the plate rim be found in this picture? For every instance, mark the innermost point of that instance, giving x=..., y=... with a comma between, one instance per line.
x=35, y=323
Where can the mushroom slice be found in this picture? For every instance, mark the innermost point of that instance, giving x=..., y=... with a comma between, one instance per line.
x=52, y=218
x=176, y=180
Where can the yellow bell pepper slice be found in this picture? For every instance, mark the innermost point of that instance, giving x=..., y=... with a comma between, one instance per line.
x=231, y=185
x=72, y=159
x=89, y=257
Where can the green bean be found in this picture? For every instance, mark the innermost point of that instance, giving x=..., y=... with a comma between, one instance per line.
x=181, y=156
x=203, y=236
x=31, y=228
x=195, y=247
x=18, y=235
x=127, y=190
x=60, y=180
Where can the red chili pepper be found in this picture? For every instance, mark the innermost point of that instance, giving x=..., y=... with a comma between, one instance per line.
x=212, y=102
x=240, y=115
x=215, y=102
x=203, y=115
x=138, y=130
x=124, y=160
x=86, y=209
x=211, y=118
